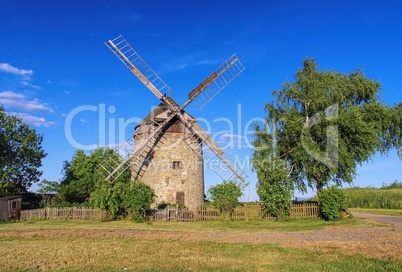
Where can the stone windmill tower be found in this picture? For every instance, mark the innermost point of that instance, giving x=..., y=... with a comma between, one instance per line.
x=168, y=143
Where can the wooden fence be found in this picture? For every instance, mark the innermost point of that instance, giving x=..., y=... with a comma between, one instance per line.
x=247, y=211
x=64, y=213
x=306, y=210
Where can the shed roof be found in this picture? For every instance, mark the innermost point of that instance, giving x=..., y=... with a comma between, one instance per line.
x=5, y=198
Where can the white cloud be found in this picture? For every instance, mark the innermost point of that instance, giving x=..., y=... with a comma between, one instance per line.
x=33, y=120
x=190, y=62
x=182, y=66
x=11, y=95
x=230, y=141
x=208, y=62
x=7, y=68
x=229, y=137
x=25, y=75
x=26, y=83
x=20, y=102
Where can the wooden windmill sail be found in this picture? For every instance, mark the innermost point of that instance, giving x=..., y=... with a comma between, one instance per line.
x=136, y=158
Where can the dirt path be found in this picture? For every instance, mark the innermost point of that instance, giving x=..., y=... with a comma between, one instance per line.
x=396, y=221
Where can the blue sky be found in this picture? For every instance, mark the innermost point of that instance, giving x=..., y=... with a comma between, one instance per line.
x=55, y=67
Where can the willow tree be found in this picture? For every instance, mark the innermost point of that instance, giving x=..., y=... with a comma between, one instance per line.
x=321, y=127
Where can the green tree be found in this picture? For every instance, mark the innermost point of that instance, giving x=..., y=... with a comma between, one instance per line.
x=81, y=174
x=394, y=185
x=21, y=155
x=324, y=124
x=225, y=196
x=48, y=189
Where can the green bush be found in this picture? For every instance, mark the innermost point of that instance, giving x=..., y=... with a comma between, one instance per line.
x=163, y=205
x=225, y=196
x=332, y=201
x=120, y=198
x=138, y=199
x=275, y=193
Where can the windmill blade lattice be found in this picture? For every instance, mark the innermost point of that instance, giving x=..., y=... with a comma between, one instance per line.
x=199, y=133
x=215, y=82
x=201, y=95
x=114, y=168
x=123, y=50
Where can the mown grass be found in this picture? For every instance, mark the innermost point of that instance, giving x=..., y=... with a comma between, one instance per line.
x=215, y=226
x=38, y=253
x=67, y=245
x=374, y=198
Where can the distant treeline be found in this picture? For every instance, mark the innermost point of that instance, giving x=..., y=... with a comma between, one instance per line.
x=386, y=197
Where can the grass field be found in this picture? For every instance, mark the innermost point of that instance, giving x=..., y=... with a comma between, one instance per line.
x=110, y=246
x=216, y=226
x=372, y=198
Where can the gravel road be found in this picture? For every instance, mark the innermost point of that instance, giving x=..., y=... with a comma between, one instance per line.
x=396, y=221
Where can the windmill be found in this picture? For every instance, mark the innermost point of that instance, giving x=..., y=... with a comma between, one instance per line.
x=166, y=151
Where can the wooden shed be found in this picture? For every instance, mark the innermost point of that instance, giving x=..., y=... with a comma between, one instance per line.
x=10, y=207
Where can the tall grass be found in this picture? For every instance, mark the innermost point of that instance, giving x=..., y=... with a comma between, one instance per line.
x=374, y=198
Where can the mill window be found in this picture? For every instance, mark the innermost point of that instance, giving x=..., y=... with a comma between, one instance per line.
x=176, y=165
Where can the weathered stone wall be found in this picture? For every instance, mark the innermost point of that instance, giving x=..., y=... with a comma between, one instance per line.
x=175, y=171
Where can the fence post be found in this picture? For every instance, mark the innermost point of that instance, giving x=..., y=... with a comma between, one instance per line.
x=176, y=212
